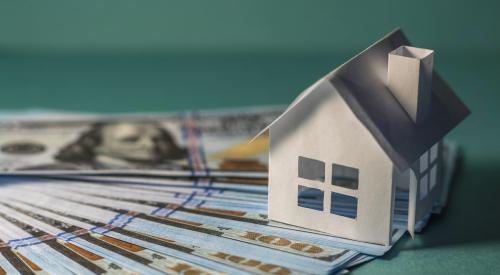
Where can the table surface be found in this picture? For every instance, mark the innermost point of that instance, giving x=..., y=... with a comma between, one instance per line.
x=464, y=239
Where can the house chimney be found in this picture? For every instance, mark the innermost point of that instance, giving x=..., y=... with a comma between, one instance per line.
x=409, y=78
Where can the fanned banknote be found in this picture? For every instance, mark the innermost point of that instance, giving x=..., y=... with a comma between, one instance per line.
x=180, y=144
x=143, y=229
x=179, y=193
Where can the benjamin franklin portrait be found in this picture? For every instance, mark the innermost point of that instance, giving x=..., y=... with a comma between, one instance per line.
x=124, y=145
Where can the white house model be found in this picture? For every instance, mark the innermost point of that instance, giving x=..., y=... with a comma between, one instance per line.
x=375, y=123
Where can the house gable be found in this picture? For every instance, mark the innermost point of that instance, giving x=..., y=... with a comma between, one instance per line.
x=322, y=128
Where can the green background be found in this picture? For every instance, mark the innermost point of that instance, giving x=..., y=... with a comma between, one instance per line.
x=128, y=56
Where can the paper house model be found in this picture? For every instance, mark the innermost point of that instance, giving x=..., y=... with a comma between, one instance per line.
x=374, y=124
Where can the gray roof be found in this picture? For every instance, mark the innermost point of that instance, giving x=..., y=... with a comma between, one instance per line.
x=361, y=83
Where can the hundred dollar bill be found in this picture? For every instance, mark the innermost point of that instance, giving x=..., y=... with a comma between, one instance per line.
x=251, y=235
x=91, y=251
x=184, y=144
x=47, y=254
x=197, y=196
x=53, y=201
x=209, y=243
x=166, y=202
x=198, y=193
x=215, y=260
x=242, y=219
x=141, y=249
x=115, y=225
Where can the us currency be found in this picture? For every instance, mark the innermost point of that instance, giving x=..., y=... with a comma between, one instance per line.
x=217, y=239
x=251, y=234
x=241, y=221
x=91, y=251
x=183, y=144
x=197, y=195
x=211, y=186
x=77, y=227
x=210, y=242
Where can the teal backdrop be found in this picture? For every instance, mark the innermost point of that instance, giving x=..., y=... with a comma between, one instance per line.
x=129, y=56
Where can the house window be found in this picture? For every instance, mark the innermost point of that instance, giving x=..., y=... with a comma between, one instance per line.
x=312, y=196
x=433, y=177
x=424, y=186
x=424, y=162
x=342, y=205
x=428, y=171
x=311, y=169
x=434, y=152
x=345, y=176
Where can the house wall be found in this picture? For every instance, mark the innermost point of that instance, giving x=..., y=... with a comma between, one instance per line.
x=420, y=205
x=425, y=203
x=323, y=127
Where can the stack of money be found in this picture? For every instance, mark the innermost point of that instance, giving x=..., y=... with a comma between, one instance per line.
x=180, y=193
